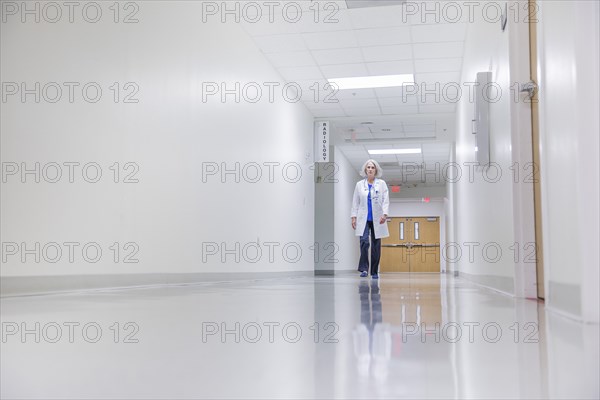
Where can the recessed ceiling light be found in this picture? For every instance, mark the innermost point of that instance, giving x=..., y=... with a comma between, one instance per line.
x=367, y=82
x=395, y=151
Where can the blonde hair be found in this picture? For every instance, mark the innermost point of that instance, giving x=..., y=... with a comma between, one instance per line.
x=363, y=170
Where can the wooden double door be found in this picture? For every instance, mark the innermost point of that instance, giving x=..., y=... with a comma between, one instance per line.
x=413, y=245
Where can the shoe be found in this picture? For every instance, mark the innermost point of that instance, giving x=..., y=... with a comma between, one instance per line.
x=363, y=274
x=375, y=276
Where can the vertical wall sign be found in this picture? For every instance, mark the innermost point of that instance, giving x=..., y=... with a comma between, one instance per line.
x=322, y=141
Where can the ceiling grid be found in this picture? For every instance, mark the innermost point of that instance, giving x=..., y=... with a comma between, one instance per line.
x=367, y=41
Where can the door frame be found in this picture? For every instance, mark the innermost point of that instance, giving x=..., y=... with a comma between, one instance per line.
x=522, y=148
x=535, y=135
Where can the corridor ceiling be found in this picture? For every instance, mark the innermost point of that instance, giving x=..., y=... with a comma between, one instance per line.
x=331, y=40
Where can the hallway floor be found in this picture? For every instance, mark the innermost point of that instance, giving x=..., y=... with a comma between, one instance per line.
x=404, y=336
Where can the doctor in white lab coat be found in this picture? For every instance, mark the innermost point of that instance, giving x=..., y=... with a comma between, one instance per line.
x=369, y=213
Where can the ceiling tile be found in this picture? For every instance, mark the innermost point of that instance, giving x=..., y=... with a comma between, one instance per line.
x=397, y=91
x=280, y=43
x=390, y=67
x=438, y=108
x=316, y=91
x=424, y=127
x=357, y=130
x=398, y=101
x=440, y=13
x=439, y=159
x=327, y=112
x=386, y=110
x=370, y=3
x=328, y=5
x=438, y=50
x=433, y=99
x=369, y=41
x=344, y=70
x=409, y=159
x=436, y=147
x=291, y=59
x=322, y=104
x=352, y=150
x=359, y=103
x=439, y=33
x=355, y=94
x=377, y=17
x=387, y=53
x=278, y=26
x=354, y=112
x=361, y=136
x=441, y=77
x=324, y=21
x=388, y=134
x=383, y=36
x=296, y=74
x=438, y=65
x=330, y=40
x=352, y=55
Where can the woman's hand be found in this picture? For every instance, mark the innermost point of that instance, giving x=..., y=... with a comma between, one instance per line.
x=354, y=223
x=383, y=219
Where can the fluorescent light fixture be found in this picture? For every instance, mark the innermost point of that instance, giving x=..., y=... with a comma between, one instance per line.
x=396, y=151
x=367, y=82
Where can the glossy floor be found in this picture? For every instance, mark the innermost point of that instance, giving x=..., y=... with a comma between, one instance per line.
x=404, y=336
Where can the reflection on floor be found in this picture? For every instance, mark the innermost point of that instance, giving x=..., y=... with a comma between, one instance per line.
x=405, y=336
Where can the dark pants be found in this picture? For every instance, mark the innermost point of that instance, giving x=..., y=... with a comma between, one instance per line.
x=363, y=264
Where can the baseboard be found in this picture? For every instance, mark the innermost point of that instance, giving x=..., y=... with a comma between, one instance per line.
x=40, y=285
x=324, y=272
x=336, y=272
x=500, y=284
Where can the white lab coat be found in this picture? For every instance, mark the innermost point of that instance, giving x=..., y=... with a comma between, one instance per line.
x=380, y=202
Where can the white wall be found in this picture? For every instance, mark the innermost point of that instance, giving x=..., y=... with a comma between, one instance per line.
x=348, y=244
x=450, y=214
x=568, y=71
x=419, y=192
x=485, y=215
x=325, y=249
x=500, y=212
x=416, y=208
x=169, y=134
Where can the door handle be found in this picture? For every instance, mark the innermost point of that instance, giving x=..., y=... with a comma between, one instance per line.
x=530, y=88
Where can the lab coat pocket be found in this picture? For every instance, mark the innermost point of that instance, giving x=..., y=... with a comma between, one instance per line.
x=381, y=230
